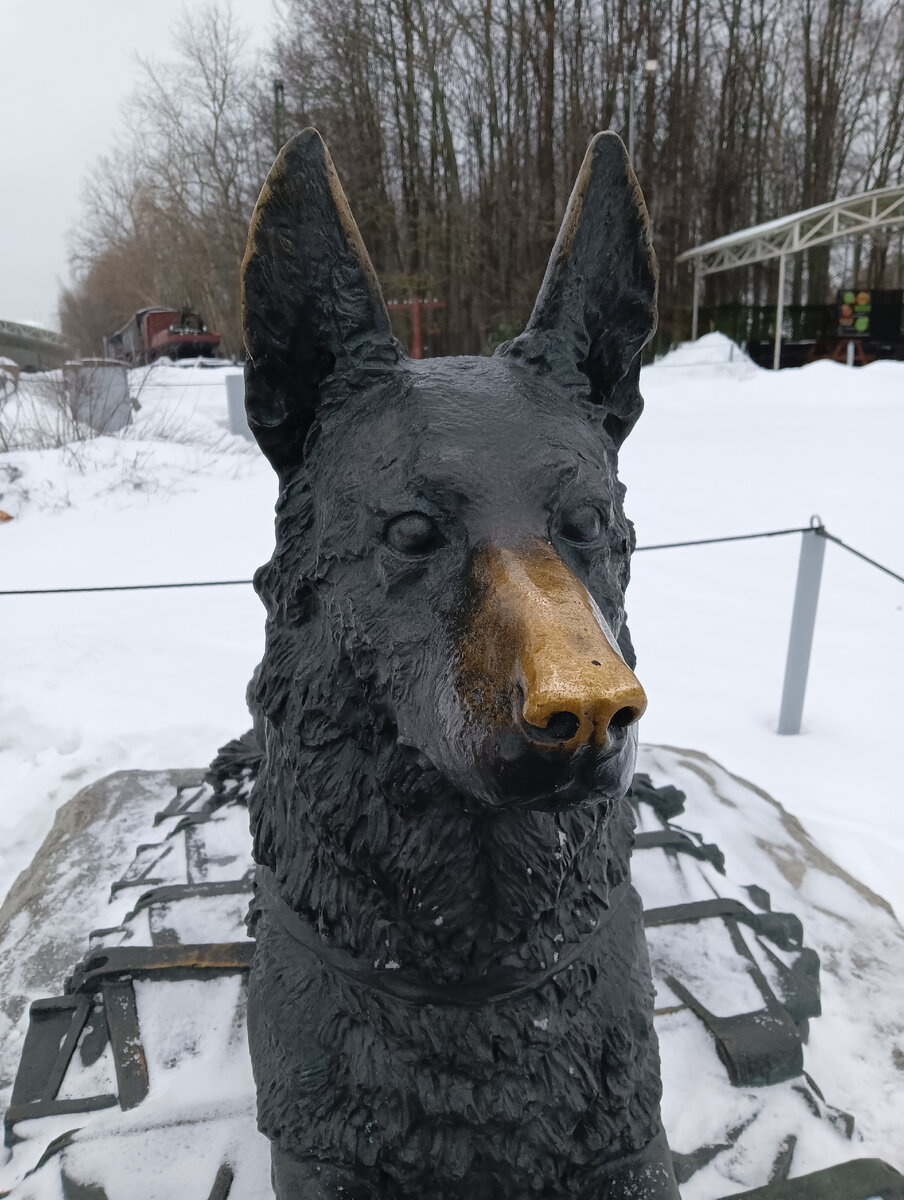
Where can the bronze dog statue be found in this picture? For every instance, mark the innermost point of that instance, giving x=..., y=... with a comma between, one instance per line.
x=450, y=994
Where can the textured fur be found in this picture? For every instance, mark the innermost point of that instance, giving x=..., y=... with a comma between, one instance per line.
x=412, y=844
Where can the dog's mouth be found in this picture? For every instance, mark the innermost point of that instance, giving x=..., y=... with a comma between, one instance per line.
x=516, y=773
x=512, y=769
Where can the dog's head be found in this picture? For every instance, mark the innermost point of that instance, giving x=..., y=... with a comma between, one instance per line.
x=452, y=550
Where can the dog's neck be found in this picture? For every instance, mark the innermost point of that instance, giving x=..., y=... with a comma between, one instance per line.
x=397, y=867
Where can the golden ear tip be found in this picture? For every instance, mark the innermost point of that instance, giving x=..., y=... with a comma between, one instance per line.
x=608, y=144
x=306, y=146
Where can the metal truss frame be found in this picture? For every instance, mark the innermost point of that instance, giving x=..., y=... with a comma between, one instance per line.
x=32, y=333
x=789, y=235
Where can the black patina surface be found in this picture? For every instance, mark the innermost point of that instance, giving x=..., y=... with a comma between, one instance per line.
x=450, y=995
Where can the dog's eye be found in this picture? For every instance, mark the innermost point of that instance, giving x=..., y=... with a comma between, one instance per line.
x=583, y=524
x=414, y=533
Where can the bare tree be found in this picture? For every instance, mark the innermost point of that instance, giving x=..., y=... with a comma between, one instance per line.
x=458, y=125
x=169, y=212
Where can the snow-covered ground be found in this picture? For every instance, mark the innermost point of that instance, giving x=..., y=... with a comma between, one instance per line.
x=93, y=683
x=725, y=448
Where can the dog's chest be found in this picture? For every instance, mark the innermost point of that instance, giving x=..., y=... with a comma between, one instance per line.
x=563, y=1071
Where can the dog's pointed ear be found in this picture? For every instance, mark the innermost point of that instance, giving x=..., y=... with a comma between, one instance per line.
x=311, y=302
x=596, y=309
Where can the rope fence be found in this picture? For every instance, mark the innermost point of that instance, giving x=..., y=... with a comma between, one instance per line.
x=738, y=537
x=803, y=618
x=124, y=587
x=819, y=529
x=859, y=553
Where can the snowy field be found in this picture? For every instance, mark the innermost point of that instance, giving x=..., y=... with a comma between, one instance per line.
x=94, y=683
x=725, y=448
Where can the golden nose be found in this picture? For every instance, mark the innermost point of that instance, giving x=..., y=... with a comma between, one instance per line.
x=578, y=706
x=575, y=685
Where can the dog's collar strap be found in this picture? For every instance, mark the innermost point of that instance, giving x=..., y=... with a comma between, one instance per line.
x=491, y=988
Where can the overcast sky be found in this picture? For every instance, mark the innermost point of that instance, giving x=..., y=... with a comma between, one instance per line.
x=65, y=68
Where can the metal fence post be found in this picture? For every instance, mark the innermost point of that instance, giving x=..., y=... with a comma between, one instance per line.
x=803, y=621
x=779, y=315
x=235, y=400
x=695, y=311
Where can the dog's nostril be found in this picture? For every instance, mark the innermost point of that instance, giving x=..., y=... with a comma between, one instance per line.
x=561, y=727
x=624, y=717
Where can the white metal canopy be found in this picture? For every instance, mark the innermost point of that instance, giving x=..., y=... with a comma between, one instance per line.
x=788, y=235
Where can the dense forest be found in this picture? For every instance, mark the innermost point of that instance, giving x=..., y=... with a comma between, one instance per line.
x=457, y=127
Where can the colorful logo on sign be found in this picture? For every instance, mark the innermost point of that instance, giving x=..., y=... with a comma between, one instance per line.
x=854, y=310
